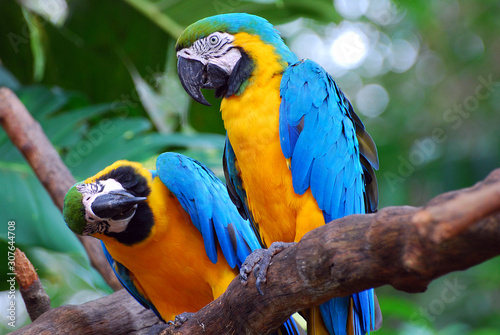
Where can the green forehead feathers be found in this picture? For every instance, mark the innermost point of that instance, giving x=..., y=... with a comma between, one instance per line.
x=235, y=23
x=228, y=23
x=73, y=211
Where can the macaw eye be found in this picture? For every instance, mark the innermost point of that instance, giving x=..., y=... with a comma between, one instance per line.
x=214, y=39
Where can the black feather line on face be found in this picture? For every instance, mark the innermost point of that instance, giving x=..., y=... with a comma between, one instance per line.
x=141, y=223
x=131, y=181
x=240, y=74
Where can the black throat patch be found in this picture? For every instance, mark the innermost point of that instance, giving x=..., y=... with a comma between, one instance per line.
x=241, y=73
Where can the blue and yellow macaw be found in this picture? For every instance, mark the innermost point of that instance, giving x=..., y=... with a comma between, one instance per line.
x=172, y=236
x=296, y=156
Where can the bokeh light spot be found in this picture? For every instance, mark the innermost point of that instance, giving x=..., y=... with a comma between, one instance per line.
x=372, y=100
x=430, y=69
x=349, y=48
x=469, y=47
x=404, y=55
x=351, y=9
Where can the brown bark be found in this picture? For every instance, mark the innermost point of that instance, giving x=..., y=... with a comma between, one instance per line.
x=117, y=313
x=27, y=135
x=392, y=247
x=35, y=298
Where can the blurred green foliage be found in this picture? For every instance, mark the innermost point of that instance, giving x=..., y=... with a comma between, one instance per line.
x=100, y=77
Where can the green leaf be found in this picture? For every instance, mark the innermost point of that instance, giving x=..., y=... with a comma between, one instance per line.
x=172, y=17
x=38, y=222
x=7, y=79
x=152, y=11
x=42, y=101
x=37, y=48
x=62, y=125
x=162, y=96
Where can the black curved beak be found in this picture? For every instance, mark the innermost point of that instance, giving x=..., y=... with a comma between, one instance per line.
x=194, y=76
x=115, y=205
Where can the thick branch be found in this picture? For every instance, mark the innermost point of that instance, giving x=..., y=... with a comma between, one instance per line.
x=27, y=135
x=349, y=255
x=442, y=221
x=117, y=313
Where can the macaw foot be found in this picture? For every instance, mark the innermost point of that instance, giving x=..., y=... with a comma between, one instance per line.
x=180, y=319
x=164, y=329
x=258, y=262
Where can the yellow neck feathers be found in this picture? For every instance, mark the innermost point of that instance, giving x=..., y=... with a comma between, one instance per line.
x=266, y=60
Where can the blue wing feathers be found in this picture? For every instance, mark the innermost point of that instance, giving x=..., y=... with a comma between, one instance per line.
x=318, y=131
x=364, y=301
x=334, y=314
x=302, y=160
x=317, y=183
x=234, y=184
x=204, y=197
x=335, y=196
x=349, y=199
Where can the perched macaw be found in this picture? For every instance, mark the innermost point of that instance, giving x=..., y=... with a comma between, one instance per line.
x=296, y=155
x=172, y=236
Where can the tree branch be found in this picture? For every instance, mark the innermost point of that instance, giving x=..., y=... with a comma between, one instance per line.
x=349, y=255
x=27, y=135
x=35, y=298
x=443, y=221
x=117, y=313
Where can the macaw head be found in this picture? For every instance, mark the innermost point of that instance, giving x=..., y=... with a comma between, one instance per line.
x=222, y=51
x=112, y=203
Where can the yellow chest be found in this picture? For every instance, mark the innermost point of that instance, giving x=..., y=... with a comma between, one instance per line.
x=171, y=266
x=252, y=124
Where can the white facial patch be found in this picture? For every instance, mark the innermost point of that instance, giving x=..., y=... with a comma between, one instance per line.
x=217, y=48
x=228, y=61
x=94, y=222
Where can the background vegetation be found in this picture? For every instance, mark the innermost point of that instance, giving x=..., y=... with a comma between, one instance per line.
x=100, y=77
